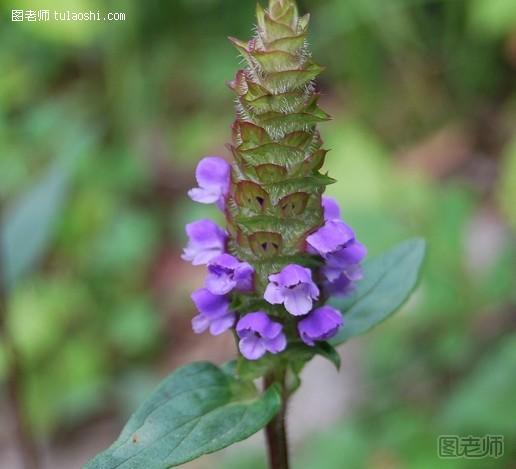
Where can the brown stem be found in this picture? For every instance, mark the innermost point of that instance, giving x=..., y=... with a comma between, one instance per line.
x=276, y=430
x=24, y=440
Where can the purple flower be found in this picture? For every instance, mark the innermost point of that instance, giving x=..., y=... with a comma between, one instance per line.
x=259, y=334
x=333, y=236
x=293, y=287
x=206, y=241
x=213, y=177
x=331, y=208
x=226, y=272
x=341, y=285
x=214, y=313
x=321, y=324
x=335, y=242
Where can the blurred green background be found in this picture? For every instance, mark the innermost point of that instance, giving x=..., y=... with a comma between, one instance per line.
x=105, y=122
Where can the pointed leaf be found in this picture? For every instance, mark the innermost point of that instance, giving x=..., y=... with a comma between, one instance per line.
x=197, y=410
x=388, y=281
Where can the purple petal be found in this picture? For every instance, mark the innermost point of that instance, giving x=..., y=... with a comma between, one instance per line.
x=210, y=305
x=213, y=171
x=226, y=272
x=331, y=208
x=353, y=253
x=244, y=277
x=222, y=324
x=293, y=274
x=204, y=196
x=213, y=177
x=298, y=300
x=332, y=236
x=322, y=324
x=276, y=345
x=206, y=241
x=200, y=323
x=219, y=284
x=260, y=323
x=252, y=347
x=354, y=272
x=340, y=286
x=273, y=294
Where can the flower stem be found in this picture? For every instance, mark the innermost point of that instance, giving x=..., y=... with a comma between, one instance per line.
x=276, y=430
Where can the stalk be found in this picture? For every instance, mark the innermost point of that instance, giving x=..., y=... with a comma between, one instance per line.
x=276, y=430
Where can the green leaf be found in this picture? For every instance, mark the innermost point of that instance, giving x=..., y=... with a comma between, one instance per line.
x=28, y=226
x=197, y=410
x=388, y=281
x=326, y=350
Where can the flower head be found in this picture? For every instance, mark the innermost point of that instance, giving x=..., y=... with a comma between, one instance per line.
x=206, y=241
x=214, y=313
x=226, y=273
x=259, y=334
x=213, y=177
x=321, y=324
x=294, y=288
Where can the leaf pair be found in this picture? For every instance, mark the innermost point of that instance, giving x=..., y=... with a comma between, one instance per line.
x=201, y=408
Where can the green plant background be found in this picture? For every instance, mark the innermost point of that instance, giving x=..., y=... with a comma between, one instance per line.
x=423, y=140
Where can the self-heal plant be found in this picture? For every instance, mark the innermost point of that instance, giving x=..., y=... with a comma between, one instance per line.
x=274, y=271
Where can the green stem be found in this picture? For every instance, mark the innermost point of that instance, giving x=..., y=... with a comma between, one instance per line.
x=276, y=430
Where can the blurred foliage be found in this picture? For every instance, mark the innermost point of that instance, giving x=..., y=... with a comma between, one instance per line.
x=423, y=144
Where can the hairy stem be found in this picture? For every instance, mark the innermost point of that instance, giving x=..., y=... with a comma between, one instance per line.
x=276, y=430
x=24, y=440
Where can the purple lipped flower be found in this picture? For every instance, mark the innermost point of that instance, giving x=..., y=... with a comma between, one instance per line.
x=294, y=288
x=330, y=238
x=259, y=335
x=321, y=324
x=331, y=208
x=213, y=177
x=206, y=241
x=341, y=285
x=226, y=273
x=214, y=313
x=336, y=243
